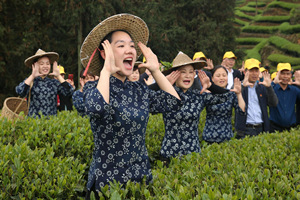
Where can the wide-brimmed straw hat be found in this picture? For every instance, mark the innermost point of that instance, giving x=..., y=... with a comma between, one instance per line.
x=181, y=60
x=53, y=56
x=134, y=25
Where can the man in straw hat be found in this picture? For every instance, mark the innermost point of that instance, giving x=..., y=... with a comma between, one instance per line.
x=118, y=108
x=258, y=96
x=283, y=116
x=40, y=90
x=181, y=126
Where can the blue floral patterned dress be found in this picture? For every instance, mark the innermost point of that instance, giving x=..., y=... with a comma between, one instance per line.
x=119, y=130
x=181, y=127
x=218, y=127
x=43, y=97
x=78, y=102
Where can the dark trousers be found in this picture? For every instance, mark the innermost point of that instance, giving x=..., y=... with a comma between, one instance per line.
x=276, y=127
x=88, y=194
x=250, y=130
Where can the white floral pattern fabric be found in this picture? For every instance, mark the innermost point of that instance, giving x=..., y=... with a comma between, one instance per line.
x=119, y=130
x=181, y=127
x=78, y=102
x=218, y=127
x=43, y=95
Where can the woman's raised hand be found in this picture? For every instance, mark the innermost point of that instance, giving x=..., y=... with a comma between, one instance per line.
x=109, y=63
x=151, y=59
x=35, y=70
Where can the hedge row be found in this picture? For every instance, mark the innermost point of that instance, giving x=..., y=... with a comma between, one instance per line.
x=275, y=19
x=240, y=22
x=249, y=40
x=254, y=53
x=285, y=5
x=279, y=58
x=249, y=9
x=285, y=45
x=258, y=4
x=37, y=164
x=283, y=28
x=243, y=15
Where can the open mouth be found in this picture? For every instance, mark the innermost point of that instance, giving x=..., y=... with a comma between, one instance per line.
x=186, y=82
x=128, y=63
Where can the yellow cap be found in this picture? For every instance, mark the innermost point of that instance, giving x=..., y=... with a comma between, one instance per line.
x=273, y=75
x=61, y=69
x=251, y=63
x=144, y=59
x=199, y=55
x=229, y=54
x=262, y=69
x=284, y=66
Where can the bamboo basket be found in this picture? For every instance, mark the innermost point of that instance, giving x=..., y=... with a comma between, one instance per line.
x=13, y=106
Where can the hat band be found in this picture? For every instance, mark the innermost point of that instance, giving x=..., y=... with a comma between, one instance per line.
x=90, y=60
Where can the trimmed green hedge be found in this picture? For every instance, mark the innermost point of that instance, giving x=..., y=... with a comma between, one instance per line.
x=285, y=45
x=249, y=40
x=243, y=15
x=275, y=19
x=250, y=9
x=37, y=164
x=285, y=5
x=258, y=4
x=240, y=22
x=260, y=29
x=255, y=52
x=279, y=58
x=289, y=29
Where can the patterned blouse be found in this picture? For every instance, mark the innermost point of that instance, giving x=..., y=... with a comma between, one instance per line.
x=43, y=97
x=181, y=127
x=119, y=130
x=218, y=127
x=78, y=103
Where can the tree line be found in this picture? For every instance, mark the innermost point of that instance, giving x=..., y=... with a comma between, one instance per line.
x=61, y=26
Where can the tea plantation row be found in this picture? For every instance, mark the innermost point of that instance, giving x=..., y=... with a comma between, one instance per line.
x=49, y=158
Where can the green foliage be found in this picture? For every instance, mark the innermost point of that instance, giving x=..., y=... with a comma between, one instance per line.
x=255, y=52
x=289, y=29
x=260, y=29
x=35, y=166
x=249, y=40
x=285, y=45
x=243, y=15
x=275, y=19
x=240, y=22
x=258, y=4
x=249, y=9
x=285, y=5
x=279, y=58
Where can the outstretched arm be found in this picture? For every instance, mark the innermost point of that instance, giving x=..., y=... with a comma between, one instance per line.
x=153, y=65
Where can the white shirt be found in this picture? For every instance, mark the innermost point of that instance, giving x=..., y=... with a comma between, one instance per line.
x=230, y=79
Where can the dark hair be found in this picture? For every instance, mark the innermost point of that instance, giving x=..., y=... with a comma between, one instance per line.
x=216, y=68
x=88, y=73
x=108, y=37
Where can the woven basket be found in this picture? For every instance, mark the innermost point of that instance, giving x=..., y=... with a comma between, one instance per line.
x=13, y=106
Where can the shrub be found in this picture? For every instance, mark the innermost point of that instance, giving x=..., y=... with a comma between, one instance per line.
x=260, y=29
x=254, y=53
x=249, y=40
x=243, y=15
x=258, y=4
x=240, y=22
x=278, y=58
x=289, y=29
x=285, y=5
x=250, y=9
x=275, y=19
x=285, y=45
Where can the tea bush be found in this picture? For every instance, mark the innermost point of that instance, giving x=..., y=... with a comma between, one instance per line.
x=48, y=158
x=279, y=58
x=285, y=45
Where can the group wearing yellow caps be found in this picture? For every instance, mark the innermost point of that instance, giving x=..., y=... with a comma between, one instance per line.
x=229, y=54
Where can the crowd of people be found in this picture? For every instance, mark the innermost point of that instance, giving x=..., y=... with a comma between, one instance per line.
x=117, y=94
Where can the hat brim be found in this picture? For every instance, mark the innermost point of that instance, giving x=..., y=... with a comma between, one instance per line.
x=53, y=56
x=141, y=69
x=134, y=25
x=196, y=64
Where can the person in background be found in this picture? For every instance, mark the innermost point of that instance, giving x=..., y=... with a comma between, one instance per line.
x=39, y=88
x=65, y=102
x=136, y=73
x=181, y=127
x=283, y=116
x=218, y=126
x=273, y=75
x=228, y=62
x=77, y=96
x=258, y=96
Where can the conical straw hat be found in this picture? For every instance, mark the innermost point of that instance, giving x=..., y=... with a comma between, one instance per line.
x=181, y=60
x=53, y=56
x=134, y=25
